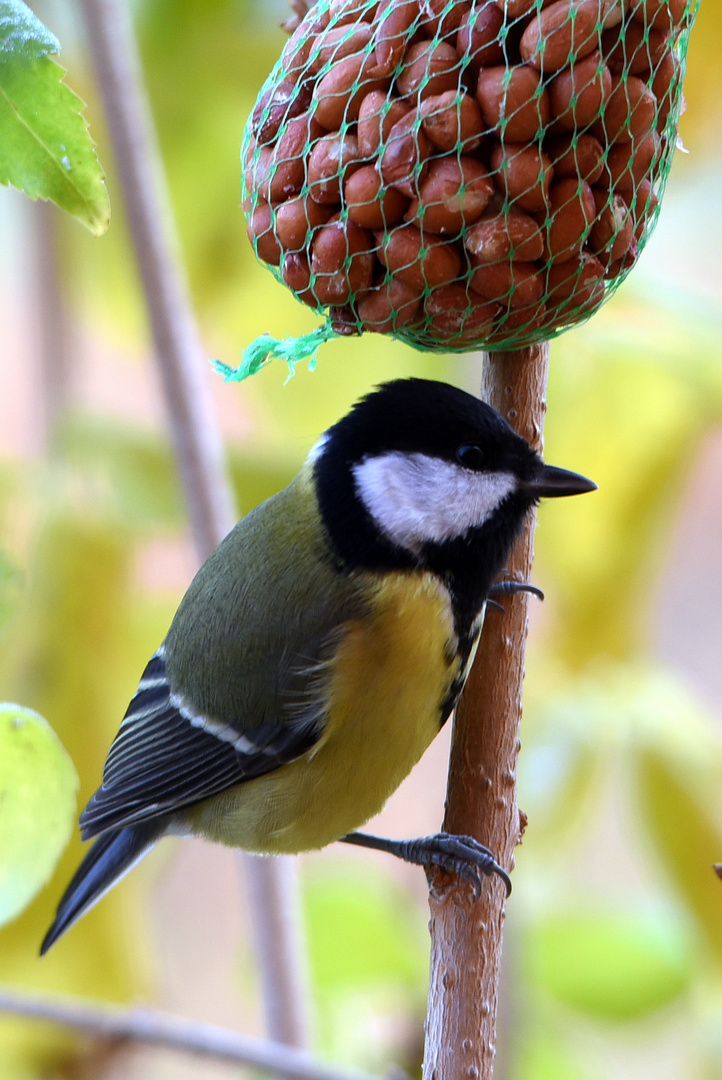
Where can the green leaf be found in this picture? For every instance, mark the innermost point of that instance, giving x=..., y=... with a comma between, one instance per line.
x=45, y=148
x=559, y=777
x=10, y=578
x=680, y=801
x=22, y=34
x=362, y=932
x=368, y=956
x=543, y=1057
x=612, y=965
x=137, y=467
x=37, y=805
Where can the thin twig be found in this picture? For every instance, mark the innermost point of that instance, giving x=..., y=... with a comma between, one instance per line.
x=466, y=937
x=194, y=429
x=160, y=1029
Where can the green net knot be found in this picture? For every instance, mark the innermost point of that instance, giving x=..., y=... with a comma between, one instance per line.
x=266, y=348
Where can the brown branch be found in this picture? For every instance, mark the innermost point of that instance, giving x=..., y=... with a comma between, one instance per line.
x=160, y=1029
x=466, y=937
x=183, y=370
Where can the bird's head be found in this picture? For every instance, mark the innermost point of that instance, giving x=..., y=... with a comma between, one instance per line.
x=419, y=472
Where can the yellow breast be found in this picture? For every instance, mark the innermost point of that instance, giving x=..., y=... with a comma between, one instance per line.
x=387, y=680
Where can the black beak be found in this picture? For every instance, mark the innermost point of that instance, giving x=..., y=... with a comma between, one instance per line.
x=549, y=482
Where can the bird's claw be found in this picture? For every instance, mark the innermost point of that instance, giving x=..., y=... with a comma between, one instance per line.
x=511, y=588
x=460, y=855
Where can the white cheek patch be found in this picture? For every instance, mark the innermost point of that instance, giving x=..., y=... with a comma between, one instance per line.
x=417, y=499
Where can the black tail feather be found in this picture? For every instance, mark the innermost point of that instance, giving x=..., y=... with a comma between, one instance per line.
x=110, y=857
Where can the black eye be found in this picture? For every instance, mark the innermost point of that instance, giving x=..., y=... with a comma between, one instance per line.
x=471, y=457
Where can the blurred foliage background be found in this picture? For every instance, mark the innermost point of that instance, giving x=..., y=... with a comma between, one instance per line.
x=613, y=957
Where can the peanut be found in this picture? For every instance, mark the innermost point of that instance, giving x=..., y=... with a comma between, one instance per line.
x=452, y=121
x=454, y=194
x=630, y=112
x=456, y=315
x=259, y=227
x=392, y=35
x=377, y=115
x=576, y=282
x=389, y=306
x=612, y=12
x=478, y=37
x=401, y=162
x=665, y=86
x=296, y=272
x=645, y=206
x=524, y=173
x=622, y=265
x=342, y=261
x=337, y=96
x=555, y=38
x=613, y=230
x=421, y=260
x=288, y=162
x=369, y=203
x=441, y=23
x=343, y=12
x=337, y=42
x=632, y=49
x=294, y=58
x=571, y=213
x=332, y=159
x=663, y=15
x=430, y=68
x=278, y=172
x=578, y=93
x=282, y=102
x=584, y=160
x=628, y=166
x=513, y=101
x=296, y=219
x=513, y=284
x=513, y=235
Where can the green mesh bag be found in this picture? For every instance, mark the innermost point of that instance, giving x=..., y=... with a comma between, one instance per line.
x=462, y=176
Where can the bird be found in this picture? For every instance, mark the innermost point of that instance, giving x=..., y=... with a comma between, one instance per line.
x=323, y=644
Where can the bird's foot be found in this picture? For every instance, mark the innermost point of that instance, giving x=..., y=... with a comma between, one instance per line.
x=460, y=855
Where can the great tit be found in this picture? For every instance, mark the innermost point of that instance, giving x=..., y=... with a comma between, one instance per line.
x=323, y=645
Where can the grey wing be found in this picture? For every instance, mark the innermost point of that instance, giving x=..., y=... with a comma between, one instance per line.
x=165, y=756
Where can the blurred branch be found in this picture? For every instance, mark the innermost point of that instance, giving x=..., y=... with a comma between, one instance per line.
x=160, y=1029
x=178, y=351
x=466, y=937
x=53, y=322
x=194, y=429
x=278, y=937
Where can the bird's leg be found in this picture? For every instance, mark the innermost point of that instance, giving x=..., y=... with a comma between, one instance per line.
x=461, y=855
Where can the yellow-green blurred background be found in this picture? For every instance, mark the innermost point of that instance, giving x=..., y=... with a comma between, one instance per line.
x=613, y=957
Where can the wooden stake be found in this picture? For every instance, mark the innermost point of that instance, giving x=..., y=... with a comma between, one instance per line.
x=466, y=937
